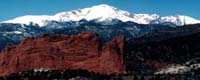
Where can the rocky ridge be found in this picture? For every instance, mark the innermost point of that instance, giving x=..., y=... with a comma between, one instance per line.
x=61, y=52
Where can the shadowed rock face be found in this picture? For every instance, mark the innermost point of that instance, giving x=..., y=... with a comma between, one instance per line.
x=61, y=52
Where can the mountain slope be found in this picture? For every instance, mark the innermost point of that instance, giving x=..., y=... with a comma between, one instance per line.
x=102, y=13
x=165, y=51
x=17, y=32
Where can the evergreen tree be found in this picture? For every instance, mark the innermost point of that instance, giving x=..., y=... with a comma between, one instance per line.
x=142, y=78
x=135, y=77
x=119, y=77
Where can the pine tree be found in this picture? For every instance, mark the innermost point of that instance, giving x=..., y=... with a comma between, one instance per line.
x=135, y=77
x=142, y=78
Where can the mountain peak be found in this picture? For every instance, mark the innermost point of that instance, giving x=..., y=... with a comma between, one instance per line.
x=104, y=6
x=99, y=12
x=104, y=12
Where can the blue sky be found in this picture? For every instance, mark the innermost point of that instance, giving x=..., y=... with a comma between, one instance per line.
x=14, y=8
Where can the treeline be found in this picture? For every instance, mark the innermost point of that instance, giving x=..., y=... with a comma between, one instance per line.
x=86, y=75
x=60, y=75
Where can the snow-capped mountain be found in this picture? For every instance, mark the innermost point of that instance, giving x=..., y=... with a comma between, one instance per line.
x=103, y=13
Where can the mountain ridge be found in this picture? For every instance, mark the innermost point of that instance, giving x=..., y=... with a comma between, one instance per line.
x=103, y=12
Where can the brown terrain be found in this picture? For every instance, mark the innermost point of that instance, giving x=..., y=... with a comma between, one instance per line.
x=65, y=52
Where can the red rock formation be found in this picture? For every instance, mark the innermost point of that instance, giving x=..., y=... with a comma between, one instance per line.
x=61, y=52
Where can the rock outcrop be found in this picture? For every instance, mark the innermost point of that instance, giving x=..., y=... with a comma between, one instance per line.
x=62, y=52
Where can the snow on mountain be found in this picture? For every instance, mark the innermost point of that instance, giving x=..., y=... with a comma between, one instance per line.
x=180, y=20
x=40, y=20
x=103, y=12
x=13, y=32
x=100, y=12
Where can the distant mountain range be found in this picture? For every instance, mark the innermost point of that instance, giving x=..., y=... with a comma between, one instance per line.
x=14, y=33
x=105, y=20
x=104, y=13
